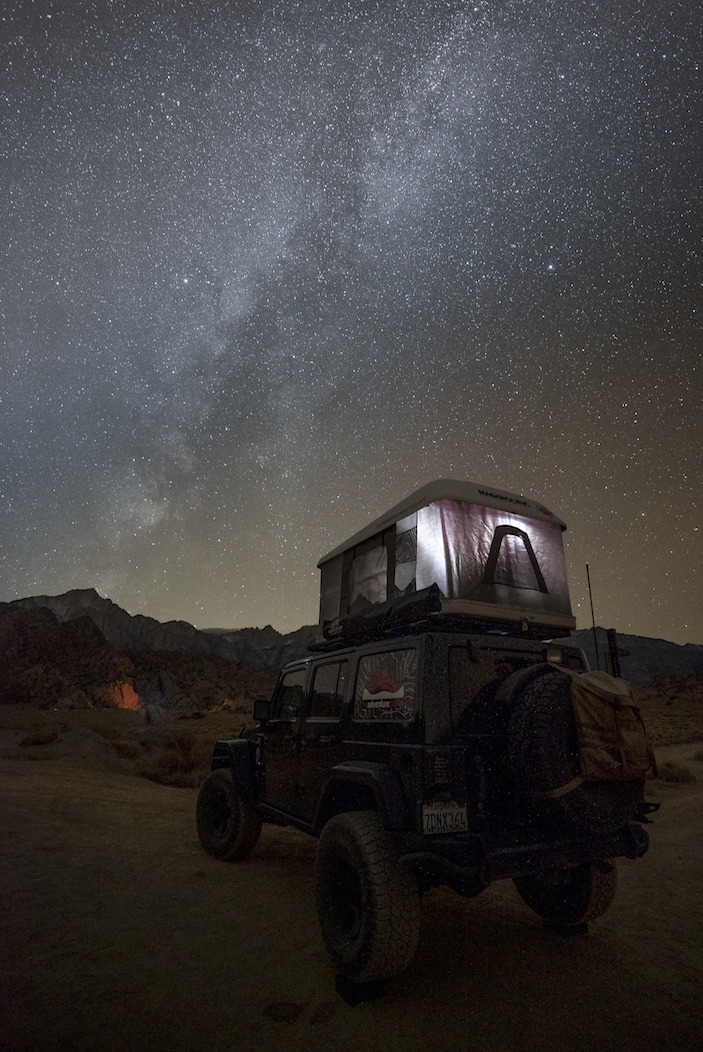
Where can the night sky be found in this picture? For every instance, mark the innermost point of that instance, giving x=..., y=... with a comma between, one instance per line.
x=268, y=267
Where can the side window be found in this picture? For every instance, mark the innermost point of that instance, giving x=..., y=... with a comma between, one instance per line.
x=289, y=696
x=327, y=696
x=386, y=687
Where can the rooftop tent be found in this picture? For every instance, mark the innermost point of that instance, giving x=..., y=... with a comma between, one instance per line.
x=493, y=555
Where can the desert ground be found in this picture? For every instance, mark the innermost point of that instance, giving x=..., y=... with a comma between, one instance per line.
x=118, y=931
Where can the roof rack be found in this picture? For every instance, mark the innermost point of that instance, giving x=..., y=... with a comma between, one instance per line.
x=420, y=612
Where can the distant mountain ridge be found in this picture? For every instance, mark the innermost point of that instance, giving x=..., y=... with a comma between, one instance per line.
x=258, y=647
x=264, y=648
x=642, y=659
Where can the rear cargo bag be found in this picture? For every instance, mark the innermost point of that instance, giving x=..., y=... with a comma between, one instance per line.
x=612, y=740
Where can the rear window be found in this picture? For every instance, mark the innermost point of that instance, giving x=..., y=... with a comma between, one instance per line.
x=386, y=686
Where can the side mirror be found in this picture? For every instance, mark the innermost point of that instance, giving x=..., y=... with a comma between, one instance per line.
x=262, y=710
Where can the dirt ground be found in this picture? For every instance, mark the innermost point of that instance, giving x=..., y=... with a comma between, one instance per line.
x=118, y=932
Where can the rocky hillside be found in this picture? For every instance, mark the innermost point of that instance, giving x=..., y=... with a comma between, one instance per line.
x=258, y=647
x=79, y=649
x=70, y=664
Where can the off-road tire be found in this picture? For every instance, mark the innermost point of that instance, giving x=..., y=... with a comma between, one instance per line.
x=228, y=826
x=571, y=897
x=367, y=905
x=543, y=754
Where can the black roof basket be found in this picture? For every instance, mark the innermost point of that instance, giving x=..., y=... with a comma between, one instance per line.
x=414, y=613
x=382, y=619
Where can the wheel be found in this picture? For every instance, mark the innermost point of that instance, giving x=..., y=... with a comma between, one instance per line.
x=570, y=897
x=543, y=753
x=228, y=826
x=368, y=907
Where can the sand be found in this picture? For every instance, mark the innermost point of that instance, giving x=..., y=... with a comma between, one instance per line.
x=119, y=932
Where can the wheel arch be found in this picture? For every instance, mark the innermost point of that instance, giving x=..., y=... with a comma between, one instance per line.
x=239, y=757
x=363, y=787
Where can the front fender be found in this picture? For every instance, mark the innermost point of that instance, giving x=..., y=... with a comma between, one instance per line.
x=239, y=756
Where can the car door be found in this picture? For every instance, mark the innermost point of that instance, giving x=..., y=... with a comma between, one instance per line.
x=320, y=746
x=281, y=744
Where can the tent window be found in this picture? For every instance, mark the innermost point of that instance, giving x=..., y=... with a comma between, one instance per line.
x=512, y=561
x=368, y=578
x=405, y=561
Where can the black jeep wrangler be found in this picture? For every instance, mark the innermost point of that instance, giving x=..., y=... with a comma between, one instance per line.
x=423, y=747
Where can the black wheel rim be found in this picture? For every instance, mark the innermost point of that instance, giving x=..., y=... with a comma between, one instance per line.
x=220, y=814
x=346, y=899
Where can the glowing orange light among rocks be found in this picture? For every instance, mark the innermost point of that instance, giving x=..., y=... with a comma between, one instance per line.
x=121, y=696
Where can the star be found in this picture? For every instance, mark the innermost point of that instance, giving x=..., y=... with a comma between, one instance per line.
x=271, y=268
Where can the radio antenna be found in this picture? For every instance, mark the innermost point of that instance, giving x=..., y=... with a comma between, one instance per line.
x=593, y=617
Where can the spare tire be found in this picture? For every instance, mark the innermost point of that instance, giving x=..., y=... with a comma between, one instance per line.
x=572, y=897
x=543, y=754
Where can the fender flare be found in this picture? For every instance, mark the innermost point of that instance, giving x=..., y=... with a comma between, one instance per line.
x=383, y=783
x=239, y=755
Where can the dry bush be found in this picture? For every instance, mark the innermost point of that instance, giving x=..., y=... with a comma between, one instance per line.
x=174, y=748
x=126, y=748
x=40, y=736
x=671, y=771
x=177, y=759
x=166, y=746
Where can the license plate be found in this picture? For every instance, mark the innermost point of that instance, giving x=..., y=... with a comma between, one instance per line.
x=444, y=818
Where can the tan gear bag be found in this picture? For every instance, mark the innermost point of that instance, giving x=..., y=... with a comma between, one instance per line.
x=613, y=744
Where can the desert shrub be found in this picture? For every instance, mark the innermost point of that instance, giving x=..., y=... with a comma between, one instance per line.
x=40, y=736
x=671, y=771
x=126, y=748
x=179, y=760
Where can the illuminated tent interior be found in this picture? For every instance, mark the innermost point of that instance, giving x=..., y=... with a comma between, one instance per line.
x=493, y=555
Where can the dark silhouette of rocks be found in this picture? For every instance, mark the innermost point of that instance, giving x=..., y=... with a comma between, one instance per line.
x=46, y=662
x=642, y=660
x=259, y=647
x=79, y=649
x=54, y=663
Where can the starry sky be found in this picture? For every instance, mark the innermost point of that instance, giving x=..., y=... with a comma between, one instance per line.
x=268, y=266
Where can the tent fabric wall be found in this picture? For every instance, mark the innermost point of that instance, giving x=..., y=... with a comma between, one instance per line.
x=471, y=551
x=456, y=541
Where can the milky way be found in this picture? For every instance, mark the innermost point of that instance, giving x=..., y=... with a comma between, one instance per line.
x=269, y=267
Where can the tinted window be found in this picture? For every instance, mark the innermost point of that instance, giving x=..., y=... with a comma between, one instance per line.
x=290, y=695
x=386, y=686
x=327, y=694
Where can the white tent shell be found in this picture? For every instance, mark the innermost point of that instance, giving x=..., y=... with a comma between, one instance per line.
x=493, y=555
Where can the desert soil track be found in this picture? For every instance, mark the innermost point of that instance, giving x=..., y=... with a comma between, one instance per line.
x=118, y=932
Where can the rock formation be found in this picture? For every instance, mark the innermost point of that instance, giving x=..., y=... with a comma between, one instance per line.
x=51, y=663
x=78, y=649
x=259, y=647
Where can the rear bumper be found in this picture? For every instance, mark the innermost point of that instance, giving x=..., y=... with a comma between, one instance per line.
x=469, y=863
